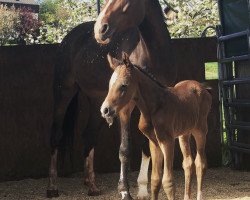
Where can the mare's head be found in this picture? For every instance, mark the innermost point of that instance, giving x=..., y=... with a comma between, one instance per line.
x=118, y=16
x=122, y=87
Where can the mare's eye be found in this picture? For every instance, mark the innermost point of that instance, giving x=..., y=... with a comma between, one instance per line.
x=123, y=87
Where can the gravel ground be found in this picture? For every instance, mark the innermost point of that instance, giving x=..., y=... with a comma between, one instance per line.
x=221, y=183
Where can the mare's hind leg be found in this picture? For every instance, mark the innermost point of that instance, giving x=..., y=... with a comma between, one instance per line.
x=200, y=160
x=84, y=122
x=89, y=175
x=156, y=176
x=187, y=164
x=143, y=175
x=63, y=96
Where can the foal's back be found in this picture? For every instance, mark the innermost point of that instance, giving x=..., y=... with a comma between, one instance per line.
x=186, y=109
x=193, y=92
x=196, y=99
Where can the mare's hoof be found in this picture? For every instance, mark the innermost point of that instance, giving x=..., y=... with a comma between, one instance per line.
x=143, y=198
x=94, y=192
x=126, y=196
x=52, y=193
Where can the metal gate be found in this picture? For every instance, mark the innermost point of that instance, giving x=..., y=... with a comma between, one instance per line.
x=233, y=53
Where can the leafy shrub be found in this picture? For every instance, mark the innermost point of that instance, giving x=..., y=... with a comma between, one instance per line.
x=18, y=26
x=192, y=17
x=9, y=19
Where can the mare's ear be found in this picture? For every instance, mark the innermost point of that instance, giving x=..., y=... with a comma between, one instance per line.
x=113, y=62
x=125, y=59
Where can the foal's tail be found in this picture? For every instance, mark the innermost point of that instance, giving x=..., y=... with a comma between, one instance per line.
x=207, y=87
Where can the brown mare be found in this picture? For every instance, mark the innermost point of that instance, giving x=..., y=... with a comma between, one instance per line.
x=82, y=69
x=153, y=52
x=166, y=113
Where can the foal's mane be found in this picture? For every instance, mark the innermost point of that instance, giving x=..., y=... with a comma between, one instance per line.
x=147, y=73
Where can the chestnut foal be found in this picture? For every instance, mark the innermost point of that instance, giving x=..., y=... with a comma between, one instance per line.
x=166, y=113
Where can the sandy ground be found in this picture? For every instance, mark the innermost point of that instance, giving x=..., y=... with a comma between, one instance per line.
x=220, y=183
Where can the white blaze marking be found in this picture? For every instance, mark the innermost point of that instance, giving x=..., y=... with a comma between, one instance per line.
x=143, y=177
x=113, y=79
x=100, y=17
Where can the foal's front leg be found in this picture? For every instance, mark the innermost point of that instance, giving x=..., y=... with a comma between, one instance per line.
x=156, y=175
x=123, y=186
x=167, y=147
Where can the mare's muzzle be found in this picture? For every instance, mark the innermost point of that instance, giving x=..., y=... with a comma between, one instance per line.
x=103, y=33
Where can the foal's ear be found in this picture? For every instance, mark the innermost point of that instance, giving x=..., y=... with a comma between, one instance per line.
x=113, y=62
x=125, y=59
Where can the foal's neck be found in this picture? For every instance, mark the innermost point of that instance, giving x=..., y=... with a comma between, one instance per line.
x=156, y=36
x=150, y=95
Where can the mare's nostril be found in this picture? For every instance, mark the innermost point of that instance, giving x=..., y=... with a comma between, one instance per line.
x=105, y=111
x=104, y=28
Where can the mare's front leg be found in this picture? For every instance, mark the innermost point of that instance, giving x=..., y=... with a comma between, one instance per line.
x=143, y=175
x=124, y=154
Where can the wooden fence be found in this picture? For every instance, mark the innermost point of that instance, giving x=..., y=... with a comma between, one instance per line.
x=26, y=77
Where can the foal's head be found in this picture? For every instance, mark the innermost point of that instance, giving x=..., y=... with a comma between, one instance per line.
x=122, y=87
x=117, y=16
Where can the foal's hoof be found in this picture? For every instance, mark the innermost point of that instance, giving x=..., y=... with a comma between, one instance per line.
x=94, y=192
x=52, y=193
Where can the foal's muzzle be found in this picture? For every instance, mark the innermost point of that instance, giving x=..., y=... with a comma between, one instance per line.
x=108, y=113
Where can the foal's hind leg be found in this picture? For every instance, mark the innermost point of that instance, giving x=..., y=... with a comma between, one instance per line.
x=200, y=160
x=90, y=135
x=62, y=100
x=187, y=164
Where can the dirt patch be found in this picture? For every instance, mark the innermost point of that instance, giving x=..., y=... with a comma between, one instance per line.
x=221, y=183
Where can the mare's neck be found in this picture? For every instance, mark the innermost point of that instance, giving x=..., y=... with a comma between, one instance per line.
x=156, y=36
x=126, y=41
x=153, y=28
